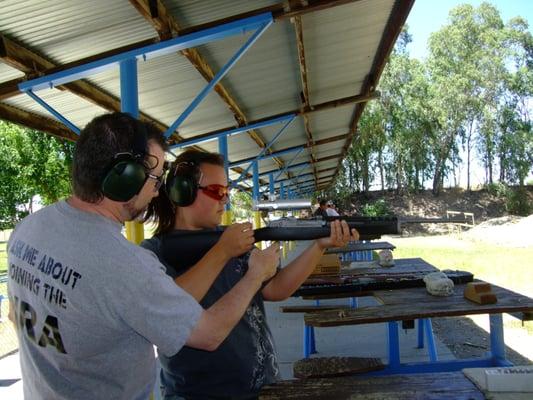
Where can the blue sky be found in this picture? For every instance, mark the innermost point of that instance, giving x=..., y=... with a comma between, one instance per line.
x=428, y=16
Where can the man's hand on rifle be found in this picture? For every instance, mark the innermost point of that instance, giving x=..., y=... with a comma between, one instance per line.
x=264, y=262
x=237, y=239
x=339, y=237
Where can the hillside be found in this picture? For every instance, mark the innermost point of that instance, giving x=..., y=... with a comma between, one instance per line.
x=484, y=205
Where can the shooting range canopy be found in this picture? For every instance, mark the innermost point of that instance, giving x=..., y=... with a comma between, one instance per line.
x=319, y=60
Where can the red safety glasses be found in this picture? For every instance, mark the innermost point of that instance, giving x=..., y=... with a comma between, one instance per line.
x=215, y=191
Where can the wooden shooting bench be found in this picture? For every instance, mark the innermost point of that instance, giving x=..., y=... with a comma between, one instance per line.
x=334, y=287
x=443, y=385
x=416, y=303
x=361, y=246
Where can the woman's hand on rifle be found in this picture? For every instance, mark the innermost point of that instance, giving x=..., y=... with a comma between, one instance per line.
x=340, y=235
x=237, y=239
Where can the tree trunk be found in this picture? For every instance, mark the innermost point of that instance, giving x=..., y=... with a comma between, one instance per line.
x=381, y=172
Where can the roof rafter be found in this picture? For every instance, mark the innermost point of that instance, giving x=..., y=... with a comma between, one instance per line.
x=298, y=28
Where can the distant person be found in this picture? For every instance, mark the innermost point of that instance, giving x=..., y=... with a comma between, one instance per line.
x=330, y=210
x=88, y=305
x=321, y=210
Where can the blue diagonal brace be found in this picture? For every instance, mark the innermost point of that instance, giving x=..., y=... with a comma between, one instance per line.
x=220, y=74
x=231, y=132
x=285, y=169
x=54, y=112
x=264, y=150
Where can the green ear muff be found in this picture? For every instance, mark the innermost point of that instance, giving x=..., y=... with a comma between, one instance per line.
x=182, y=183
x=124, y=180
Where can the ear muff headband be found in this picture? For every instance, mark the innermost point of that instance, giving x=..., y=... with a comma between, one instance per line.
x=182, y=183
x=126, y=173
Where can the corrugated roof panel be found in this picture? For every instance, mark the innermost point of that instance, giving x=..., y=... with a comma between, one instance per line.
x=194, y=12
x=7, y=73
x=269, y=67
x=340, y=45
x=74, y=108
x=65, y=31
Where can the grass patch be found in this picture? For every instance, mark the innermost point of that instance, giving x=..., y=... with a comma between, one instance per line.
x=502, y=266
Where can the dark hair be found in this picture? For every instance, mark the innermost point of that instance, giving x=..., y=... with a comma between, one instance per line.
x=161, y=210
x=322, y=203
x=99, y=142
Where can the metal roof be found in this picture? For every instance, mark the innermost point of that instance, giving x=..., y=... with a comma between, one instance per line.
x=320, y=59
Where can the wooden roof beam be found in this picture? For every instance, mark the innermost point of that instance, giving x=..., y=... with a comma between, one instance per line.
x=35, y=121
x=298, y=28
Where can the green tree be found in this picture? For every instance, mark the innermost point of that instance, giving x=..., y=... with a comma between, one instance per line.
x=33, y=164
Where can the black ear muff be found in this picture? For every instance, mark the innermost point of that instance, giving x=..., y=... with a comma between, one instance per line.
x=124, y=179
x=182, y=184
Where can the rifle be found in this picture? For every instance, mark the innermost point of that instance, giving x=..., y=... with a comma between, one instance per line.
x=187, y=248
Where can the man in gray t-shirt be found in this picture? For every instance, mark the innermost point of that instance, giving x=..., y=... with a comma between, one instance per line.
x=87, y=304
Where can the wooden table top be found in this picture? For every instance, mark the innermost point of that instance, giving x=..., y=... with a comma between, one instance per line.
x=414, y=303
x=443, y=385
x=362, y=247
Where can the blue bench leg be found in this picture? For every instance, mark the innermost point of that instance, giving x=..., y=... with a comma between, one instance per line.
x=312, y=339
x=394, y=346
x=306, y=345
x=497, y=342
x=420, y=325
x=432, y=348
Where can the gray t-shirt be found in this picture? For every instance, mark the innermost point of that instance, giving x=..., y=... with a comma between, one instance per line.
x=89, y=306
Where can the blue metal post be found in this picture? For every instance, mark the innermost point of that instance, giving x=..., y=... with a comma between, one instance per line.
x=255, y=189
x=271, y=183
x=129, y=94
x=223, y=149
x=282, y=190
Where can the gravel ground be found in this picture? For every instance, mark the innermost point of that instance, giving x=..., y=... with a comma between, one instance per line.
x=467, y=340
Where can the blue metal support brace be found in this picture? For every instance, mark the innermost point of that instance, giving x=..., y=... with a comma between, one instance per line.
x=231, y=132
x=281, y=190
x=263, y=151
x=220, y=74
x=497, y=343
x=53, y=111
x=291, y=167
x=432, y=348
x=264, y=157
x=271, y=183
x=284, y=170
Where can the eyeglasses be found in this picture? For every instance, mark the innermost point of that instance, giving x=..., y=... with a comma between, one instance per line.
x=215, y=191
x=158, y=180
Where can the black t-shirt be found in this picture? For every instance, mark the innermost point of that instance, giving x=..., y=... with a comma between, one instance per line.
x=242, y=364
x=320, y=212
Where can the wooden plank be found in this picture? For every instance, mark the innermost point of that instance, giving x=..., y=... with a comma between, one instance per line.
x=326, y=367
x=416, y=303
x=309, y=309
x=362, y=247
x=444, y=385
